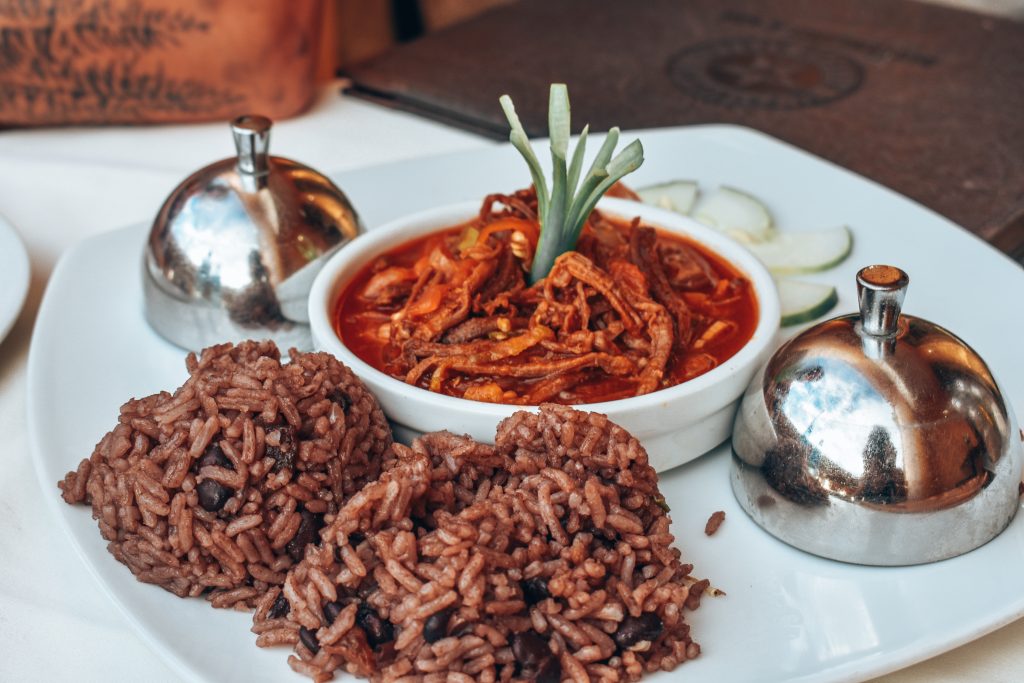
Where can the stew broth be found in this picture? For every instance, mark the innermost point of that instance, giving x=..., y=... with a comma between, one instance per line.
x=722, y=308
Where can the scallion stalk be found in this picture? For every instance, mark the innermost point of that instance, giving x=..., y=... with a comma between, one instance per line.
x=563, y=210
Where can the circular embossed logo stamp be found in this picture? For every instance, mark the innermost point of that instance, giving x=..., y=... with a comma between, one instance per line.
x=763, y=73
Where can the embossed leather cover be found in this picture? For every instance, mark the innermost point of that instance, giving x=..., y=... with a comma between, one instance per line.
x=926, y=100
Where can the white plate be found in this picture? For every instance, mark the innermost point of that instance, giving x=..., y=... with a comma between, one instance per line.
x=14, y=276
x=787, y=615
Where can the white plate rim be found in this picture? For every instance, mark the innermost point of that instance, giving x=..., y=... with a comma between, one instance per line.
x=53, y=500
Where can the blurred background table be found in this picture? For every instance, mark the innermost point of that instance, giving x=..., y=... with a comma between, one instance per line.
x=58, y=186
x=923, y=99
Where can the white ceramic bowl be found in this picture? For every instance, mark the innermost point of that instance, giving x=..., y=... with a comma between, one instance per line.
x=675, y=425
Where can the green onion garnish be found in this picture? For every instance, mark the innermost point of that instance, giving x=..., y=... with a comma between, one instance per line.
x=564, y=209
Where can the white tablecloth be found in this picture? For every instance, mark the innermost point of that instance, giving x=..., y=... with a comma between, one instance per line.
x=59, y=186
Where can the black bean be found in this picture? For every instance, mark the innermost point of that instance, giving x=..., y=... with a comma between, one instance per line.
x=280, y=607
x=436, y=626
x=213, y=496
x=550, y=671
x=535, y=590
x=367, y=589
x=283, y=453
x=463, y=629
x=634, y=630
x=338, y=396
x=331, y=611
x=307, y=533
x=212, y=456
x=378, y=630
x=607, y=538
x=308, y=639
x=530, y=650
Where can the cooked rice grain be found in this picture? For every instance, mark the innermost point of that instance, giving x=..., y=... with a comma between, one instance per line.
x=714, y=522
x=545, y=557
x=218, y=487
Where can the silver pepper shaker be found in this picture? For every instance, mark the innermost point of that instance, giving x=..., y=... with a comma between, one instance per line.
x=877, y=438
x=233, y=251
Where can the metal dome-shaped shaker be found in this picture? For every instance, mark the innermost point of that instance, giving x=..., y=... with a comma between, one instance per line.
x=235, y=247
x=877, y=438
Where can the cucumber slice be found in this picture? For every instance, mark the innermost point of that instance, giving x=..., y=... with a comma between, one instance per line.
x=804, y=301
x=735, y=213
x=676, y=195
x=792, y=253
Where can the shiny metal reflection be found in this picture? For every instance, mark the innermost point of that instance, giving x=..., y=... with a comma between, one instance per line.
x=234, y=249
x=877, y=438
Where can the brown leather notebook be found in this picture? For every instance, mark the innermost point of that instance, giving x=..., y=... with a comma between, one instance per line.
x=926, y=100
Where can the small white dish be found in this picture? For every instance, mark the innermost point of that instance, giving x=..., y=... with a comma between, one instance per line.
x=14, y=276
x=675, y=425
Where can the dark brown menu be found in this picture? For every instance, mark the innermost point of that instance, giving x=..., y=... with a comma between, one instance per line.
x=926, y=100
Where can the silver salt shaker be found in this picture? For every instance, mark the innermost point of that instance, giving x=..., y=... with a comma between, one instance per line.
x=235, y=247
x=878, y=438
